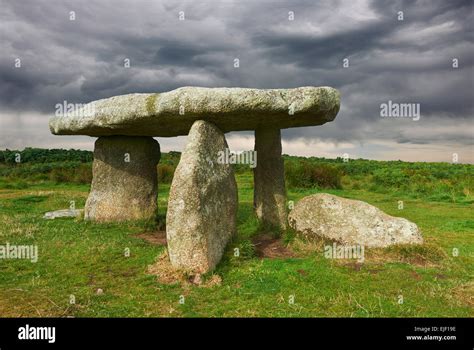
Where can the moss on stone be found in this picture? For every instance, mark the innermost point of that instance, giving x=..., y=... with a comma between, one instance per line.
x=150, y=103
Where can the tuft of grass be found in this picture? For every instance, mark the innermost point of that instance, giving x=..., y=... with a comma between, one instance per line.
x=246, y=249
x=289, y=236
x=165, y=273
x=418, y=254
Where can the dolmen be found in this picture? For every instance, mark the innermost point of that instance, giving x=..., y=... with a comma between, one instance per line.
x=202, y=205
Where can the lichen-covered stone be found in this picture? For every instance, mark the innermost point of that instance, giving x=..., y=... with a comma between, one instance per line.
x=269, y=179
x=202, y=205
x=124, y=183
x=351, y=222
x=172, y=113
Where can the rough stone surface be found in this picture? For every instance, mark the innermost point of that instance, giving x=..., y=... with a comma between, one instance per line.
x=269, y=179
x=351, y=222
x=63, y=213
x=202, y=205
x=230, y=109
x=124, y=183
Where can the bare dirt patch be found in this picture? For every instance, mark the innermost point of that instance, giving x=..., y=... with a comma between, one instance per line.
x=415, y=275
x=267, y=246
x=155, y=238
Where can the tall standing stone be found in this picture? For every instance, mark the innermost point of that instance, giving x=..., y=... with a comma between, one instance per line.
x=202, y=205
x=124, y=184
x=269, y=179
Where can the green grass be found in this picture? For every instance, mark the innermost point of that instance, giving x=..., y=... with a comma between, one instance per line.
x=76, y=258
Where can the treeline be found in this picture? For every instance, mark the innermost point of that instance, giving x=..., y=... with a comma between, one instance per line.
x=433, y=181
x=18, y=169
x=41, y=155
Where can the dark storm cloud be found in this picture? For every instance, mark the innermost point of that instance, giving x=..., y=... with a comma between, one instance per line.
x=402, y=61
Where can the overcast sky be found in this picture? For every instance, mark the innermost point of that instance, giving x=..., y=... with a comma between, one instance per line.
x=405, y=61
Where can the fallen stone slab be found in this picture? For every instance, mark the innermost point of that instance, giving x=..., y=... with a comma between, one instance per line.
x=350, y=222
x=63, y=213
x=172, y=113
x=202, y=204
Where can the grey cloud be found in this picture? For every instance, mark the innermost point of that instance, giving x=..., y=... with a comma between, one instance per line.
x=407, y=61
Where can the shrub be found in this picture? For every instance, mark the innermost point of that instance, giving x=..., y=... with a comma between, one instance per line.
x=83, y=174
x=59, y=175
x=309, y=175
x=165, y=173
x=79, y=174
x=388, y=177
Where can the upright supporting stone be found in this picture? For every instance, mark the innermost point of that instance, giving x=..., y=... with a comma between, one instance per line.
x=202, y=205
x=269, y=179
x=124, y=184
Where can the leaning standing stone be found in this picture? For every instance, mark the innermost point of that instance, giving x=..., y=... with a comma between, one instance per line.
x=202, y=205
x=124, y=184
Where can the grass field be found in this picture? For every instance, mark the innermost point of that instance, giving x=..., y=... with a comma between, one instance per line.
x=78, y=258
